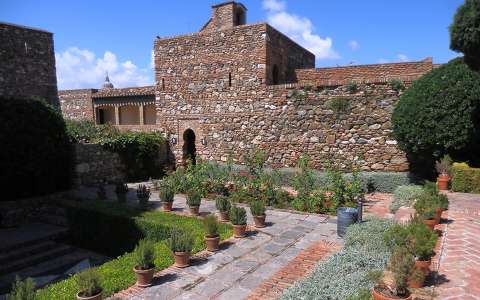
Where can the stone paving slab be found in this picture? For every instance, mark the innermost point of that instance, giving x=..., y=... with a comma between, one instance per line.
x=235, y=271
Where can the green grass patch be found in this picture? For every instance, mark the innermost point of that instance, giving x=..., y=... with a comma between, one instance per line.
x=117, y=223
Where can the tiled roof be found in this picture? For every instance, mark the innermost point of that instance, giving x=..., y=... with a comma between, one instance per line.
x=125, y=92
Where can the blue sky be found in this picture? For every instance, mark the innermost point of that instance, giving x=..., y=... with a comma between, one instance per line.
x=94, y=36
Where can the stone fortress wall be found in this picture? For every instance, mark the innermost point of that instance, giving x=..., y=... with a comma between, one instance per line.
x=241, y=86
x=27, y=63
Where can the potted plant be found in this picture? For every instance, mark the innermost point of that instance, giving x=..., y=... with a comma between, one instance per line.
x=166, y=195
x=193, y=201
x=121, y=190
x=238, y=217
x=257, y=208
x=416, y=279
x=223, y=205
x=421, y=243
x=212, y=238
x=401, y=265
x=143, y=194
x=22, y=289
x=425, y=210
x=88, y=283
x=144, y=268
x=443, y=168
x=181, y=243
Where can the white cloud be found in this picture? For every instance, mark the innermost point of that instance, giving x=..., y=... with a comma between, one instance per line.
x=81, y=68
x=300, y=29
x=383, y=61
x=274, y=5
x=402, y=57
x=354, y=45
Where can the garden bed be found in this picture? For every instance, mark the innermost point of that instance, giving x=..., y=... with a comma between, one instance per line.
x=114, y=229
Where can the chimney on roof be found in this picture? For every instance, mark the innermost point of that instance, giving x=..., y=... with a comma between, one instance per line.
x=228, y=14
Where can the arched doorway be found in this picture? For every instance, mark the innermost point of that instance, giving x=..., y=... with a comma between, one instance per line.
x=275, y=79
x=189, y=146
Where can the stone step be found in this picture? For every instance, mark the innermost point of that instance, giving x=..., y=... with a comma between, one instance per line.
x=55, y=266
x=28, y=235
x=31, y=260
x=29, y=250
x=58, y=220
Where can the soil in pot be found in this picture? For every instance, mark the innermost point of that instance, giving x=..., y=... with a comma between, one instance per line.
x=442, y=182
x=239, y=231
x=181, y=259
x=98, y=296
x=383, y=293
x=167, y=206
x=212, y=243
x=144, y=277
x=430, y=223
x=224, y=217
x=194, y=210
x=259, y=221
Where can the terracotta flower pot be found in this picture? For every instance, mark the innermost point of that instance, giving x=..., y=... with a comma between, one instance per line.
x=259, y=221
x=181, y=259
x=430, y=223
x=194, y=210
x=167, y=206
x=239, y=230
x=144, y=277
x=94, y=297
x=212, y=243
x=442, y=182
x=423, y=265
x=438, y=215
x=379, y=296
x=224, y=217
x=415, y=284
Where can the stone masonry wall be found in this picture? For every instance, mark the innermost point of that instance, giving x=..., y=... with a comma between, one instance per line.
x=27, y=63
x=77, y=104
x=287, y=123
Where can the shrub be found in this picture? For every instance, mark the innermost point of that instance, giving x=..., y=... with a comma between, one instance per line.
x=465, y=32
x=257, y=208
x=180, y=241
x=396, y=236
x=143, y=194
x=88, y=132
x=465, y=179
x=22, y=290
x=222, y=203
x=346, y=272
x=405, y=195
x=35, y=149
x=194, y=198
x=439, y=114
x=444, y=165
x=145, y=255
x=396, y=85
x=211, y=226
x=339, y=105
x=303, y=181
x=421, y=241
x=166, y=193
x=121, y=190
x=238, y=215
x=344, y=192
x=351, y=87
x=417, y=275
x=401, y=264
x=88, y=283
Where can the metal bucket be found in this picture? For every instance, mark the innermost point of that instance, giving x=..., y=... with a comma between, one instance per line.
x=345, y=217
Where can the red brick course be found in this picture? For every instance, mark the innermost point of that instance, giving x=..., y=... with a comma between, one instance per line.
x=298, y=268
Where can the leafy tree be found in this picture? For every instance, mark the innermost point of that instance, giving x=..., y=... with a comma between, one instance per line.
x=465, y=32
x=439, y=114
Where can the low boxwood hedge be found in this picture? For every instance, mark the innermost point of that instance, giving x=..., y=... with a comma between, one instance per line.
x=345, y=273
x=465, y=179
x=91, y=224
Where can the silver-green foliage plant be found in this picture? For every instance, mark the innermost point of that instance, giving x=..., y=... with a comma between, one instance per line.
x=345, y=273
x=211, y=226
x=238, y=215
x=180, y=241
x=22, y=290
x=194, y=198
x=222, y=203
x=145, y=254
x=405, y=195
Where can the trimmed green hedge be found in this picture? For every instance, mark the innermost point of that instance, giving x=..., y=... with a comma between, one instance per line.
x=35, y=151
x=465, y=179
x=93, y=230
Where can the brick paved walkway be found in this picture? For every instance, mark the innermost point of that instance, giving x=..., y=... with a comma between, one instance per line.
x=459, y=261
x=243, y=264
